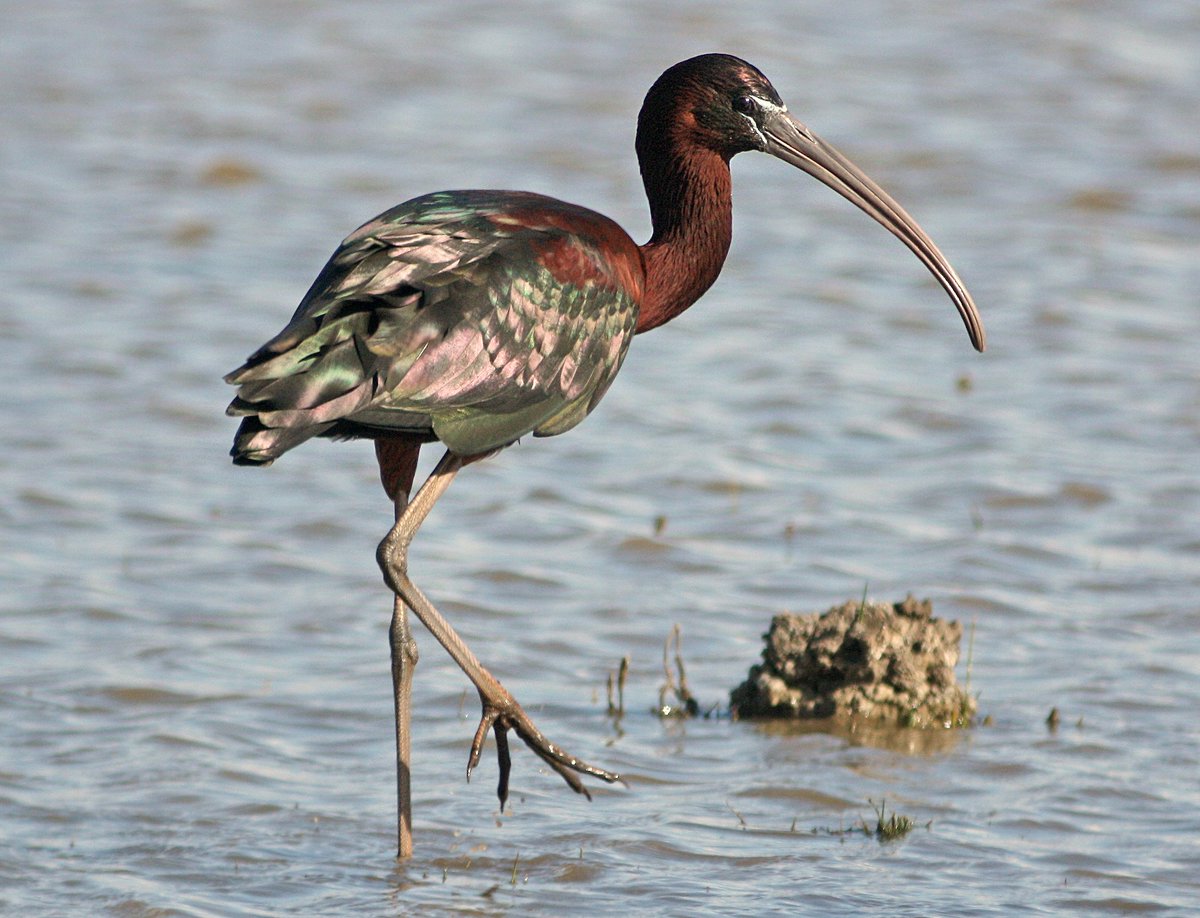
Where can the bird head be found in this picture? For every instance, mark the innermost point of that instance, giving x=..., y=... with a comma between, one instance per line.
x=722, y=104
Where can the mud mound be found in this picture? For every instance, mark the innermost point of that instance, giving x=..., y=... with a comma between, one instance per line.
x=890, y=663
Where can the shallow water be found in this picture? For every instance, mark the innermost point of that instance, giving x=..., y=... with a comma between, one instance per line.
x=194, y=694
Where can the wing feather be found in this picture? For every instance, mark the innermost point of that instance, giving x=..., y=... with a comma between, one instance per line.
x=472, y=317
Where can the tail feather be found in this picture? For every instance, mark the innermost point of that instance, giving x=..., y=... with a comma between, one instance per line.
x=257, y=444
x=295, y=388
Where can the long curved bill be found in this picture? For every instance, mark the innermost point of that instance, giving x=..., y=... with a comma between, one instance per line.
x=792, y=142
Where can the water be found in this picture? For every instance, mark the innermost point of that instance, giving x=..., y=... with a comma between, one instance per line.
x=193, y=675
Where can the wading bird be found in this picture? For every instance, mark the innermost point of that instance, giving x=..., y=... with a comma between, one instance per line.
x=476, y=317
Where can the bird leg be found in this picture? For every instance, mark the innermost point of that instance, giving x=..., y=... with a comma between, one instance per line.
x=397, y=465
x=404, y=661
x=501, y=712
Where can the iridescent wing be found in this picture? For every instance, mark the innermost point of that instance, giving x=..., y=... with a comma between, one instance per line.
x=471, y=317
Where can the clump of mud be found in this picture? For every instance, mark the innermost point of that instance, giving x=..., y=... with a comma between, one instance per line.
x=890, y=663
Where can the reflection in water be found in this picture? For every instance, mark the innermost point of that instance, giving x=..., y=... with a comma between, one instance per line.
x=907, y=740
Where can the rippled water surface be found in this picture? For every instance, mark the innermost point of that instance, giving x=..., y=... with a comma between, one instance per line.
x=194, y=690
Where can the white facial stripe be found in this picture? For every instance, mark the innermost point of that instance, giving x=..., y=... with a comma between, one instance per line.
x=767, y=106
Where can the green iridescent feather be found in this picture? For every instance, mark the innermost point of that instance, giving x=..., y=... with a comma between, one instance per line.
x=439, y=319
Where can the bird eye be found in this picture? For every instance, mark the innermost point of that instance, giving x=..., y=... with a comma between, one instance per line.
x=743, y=105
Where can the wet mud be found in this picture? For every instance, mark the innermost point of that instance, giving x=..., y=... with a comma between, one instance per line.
x=887, y=663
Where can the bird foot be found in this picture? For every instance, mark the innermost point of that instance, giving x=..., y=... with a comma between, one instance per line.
x=508, y=715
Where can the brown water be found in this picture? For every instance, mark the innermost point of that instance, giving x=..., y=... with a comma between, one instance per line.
x=194, y=694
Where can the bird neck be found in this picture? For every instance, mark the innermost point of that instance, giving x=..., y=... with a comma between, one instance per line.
x=691, y=211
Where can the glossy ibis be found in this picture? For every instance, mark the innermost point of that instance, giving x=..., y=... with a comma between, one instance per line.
x=477, y=317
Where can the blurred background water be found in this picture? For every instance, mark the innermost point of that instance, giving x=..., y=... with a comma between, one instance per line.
x=194, y=690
